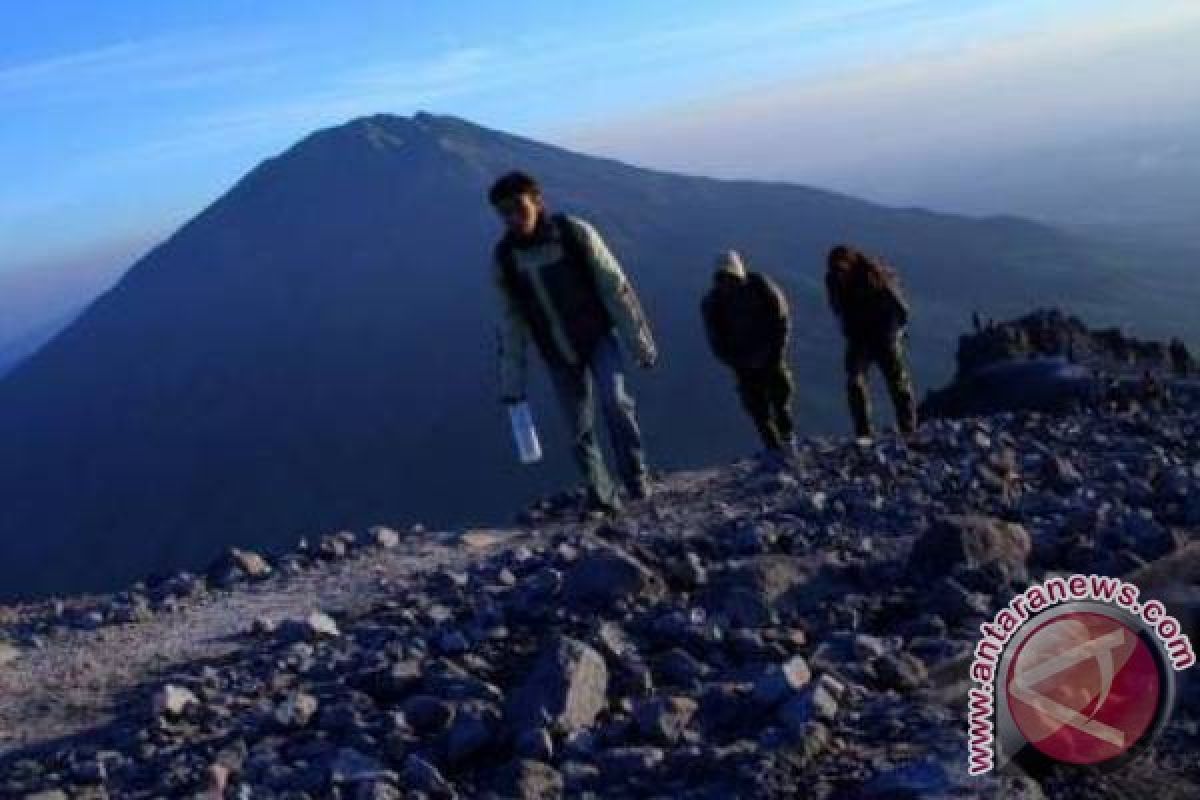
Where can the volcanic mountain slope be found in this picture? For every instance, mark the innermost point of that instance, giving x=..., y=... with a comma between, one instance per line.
x=745, y=632
x=316, y=348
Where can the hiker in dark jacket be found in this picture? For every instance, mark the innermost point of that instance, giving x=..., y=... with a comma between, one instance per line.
x=559, y=285
x=746, y=319
x=865, y=296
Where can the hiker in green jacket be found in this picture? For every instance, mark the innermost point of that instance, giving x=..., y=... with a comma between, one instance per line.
x=560, y=286
x=746, y=321
x=865, y=296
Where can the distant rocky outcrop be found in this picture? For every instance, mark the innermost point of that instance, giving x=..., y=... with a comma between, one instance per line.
x=1051, y=361
x=1048, y=333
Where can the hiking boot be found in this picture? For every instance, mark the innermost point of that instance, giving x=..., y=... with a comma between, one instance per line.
x=597, y=508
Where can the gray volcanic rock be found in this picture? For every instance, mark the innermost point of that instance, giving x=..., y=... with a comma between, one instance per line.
x=665, y=718
x=972, y=541
x=173, y=700
x=567, y=687
x=748, y=592
x=609, y=575
x=531, y=780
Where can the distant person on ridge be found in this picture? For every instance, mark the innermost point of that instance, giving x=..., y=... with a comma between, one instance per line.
x=1181, y=359
x=746, y=320
x=559, y=285
x=865, y=295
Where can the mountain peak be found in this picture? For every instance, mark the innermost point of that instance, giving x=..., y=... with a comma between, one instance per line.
x=423, y=133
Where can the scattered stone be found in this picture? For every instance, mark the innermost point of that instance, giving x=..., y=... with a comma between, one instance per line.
x=974, y=541
x=527, y=779
x=250, y=563
x=608, y=576
x=781, y=681
x=902, y=671
x=427, y=714
x=317, y=625
x=1062, y=474
x=8, y=653
x=663, y=719
x=296, y=710
x=172, y=700
x=384, y=537
x=568, y=685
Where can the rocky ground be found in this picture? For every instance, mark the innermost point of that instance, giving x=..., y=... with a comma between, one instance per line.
x=746, y=632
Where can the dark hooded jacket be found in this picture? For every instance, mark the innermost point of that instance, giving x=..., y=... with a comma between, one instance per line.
x=746, y=321
x=869, y=303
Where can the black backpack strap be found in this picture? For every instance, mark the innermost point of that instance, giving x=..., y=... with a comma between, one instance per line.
x=503, y=253
x=522, y=293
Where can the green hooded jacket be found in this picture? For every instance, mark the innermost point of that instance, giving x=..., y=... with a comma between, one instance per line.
x=540, y=262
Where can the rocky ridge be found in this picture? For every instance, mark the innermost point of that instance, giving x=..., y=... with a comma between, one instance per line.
x=748, y=631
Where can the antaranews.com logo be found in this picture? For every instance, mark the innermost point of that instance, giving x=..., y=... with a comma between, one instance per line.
x=1074, y=670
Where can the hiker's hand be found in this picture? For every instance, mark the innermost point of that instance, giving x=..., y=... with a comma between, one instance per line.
x=647, y=359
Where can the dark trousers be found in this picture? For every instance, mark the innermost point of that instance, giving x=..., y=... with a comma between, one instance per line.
x=889, y=356
x=766, y=394
x=602, y=378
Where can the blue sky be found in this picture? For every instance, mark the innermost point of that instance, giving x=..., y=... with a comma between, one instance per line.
x=128, y=118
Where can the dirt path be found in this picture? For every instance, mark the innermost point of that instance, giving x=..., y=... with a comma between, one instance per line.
x=70, y=684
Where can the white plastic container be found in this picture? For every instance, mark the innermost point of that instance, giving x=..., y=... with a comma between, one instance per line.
x=528, y=447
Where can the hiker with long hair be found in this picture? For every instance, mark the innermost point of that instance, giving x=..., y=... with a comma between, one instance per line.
x=865, y=296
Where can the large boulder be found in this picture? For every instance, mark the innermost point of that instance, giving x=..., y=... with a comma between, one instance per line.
x=753, y=590
x=609, y=575
x=567, y=687
x=1181, y=568
x=972, y=542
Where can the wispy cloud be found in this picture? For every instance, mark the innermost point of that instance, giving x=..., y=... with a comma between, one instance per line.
x=550, y=60
x=160, y=63
x=1119, y=68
